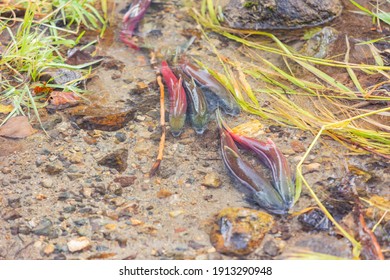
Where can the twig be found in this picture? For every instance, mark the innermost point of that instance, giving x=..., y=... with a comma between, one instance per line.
x=156, y=164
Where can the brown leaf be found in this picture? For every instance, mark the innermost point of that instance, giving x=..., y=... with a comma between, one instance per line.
x=5, y=109
x=58, y=98
x=17, y=127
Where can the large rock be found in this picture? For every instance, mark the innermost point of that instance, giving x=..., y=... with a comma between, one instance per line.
x=280, y=14
x=239, y=231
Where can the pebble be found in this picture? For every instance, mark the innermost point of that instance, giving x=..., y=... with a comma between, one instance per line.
x=63, y=196
x=86, y=192
x=11, y=215
x=270, y=248
x=175, y=213
x=136, y=222
x=120, y=136
x=212, y=180
x=239, y=231
x=74, y=176
x=14, y=201
x=6, y=170
x=45, y=227
x=115, y=188
x=49, y=249
x=297, y=146
x=163, y=193
x=47, y=183
x=78, y=244
x=125, y=181
x=116, y=160
x=69, y=209
x=54, y=169
x=312, y=167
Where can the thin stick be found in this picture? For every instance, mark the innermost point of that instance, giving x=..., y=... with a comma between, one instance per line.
x=156, y=164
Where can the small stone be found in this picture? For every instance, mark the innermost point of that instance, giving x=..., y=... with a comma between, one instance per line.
x=118, y=201
x=175, y=213
x=21, y=229
x=110, y=227
x=115, y=188
x=69, y=209
x=297, y=146
x=86, y=192
x=74, y=176
x=212, y=180
x=270, y=248
x=54, y=169
x=49, y=249
x=125, y=181
x=6, y=170
x=63, y=196
x=312, y=167
x=163, y=193
x=239, y=231
x=120, y=136
x=136, y=222
x=47, y=183
x=45, y=227
x=11, y=215
x=116, y=160
x=40, y=196
x=14, y=202
x=78, y=244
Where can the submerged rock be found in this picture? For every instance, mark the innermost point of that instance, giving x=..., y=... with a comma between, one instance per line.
x=280, y=14
x=116, y=159
x=101, y=118
x=239, y=231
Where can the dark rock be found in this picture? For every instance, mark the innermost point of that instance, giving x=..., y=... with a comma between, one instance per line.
x=14, y=201
x=101, y=248
x=59, y=257
x=314, y=220
x=54, y=169
x=280, y=14
x=270, y=248
x=195, y=245
x=115, y=189
x=125, y=181
x=86, y=210
x=69, y=209
x=120, y=136
x=11, y=215
x=63, y=196
x=116, y=160
x=122, y=241
x=45, y=227
x=81, y=222
x=20, y=229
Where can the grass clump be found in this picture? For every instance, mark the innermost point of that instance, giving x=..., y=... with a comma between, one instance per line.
x=36, y=46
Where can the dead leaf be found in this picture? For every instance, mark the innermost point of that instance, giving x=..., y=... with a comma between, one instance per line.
x=5, y=109
x=17, y=127
x=58, y=98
